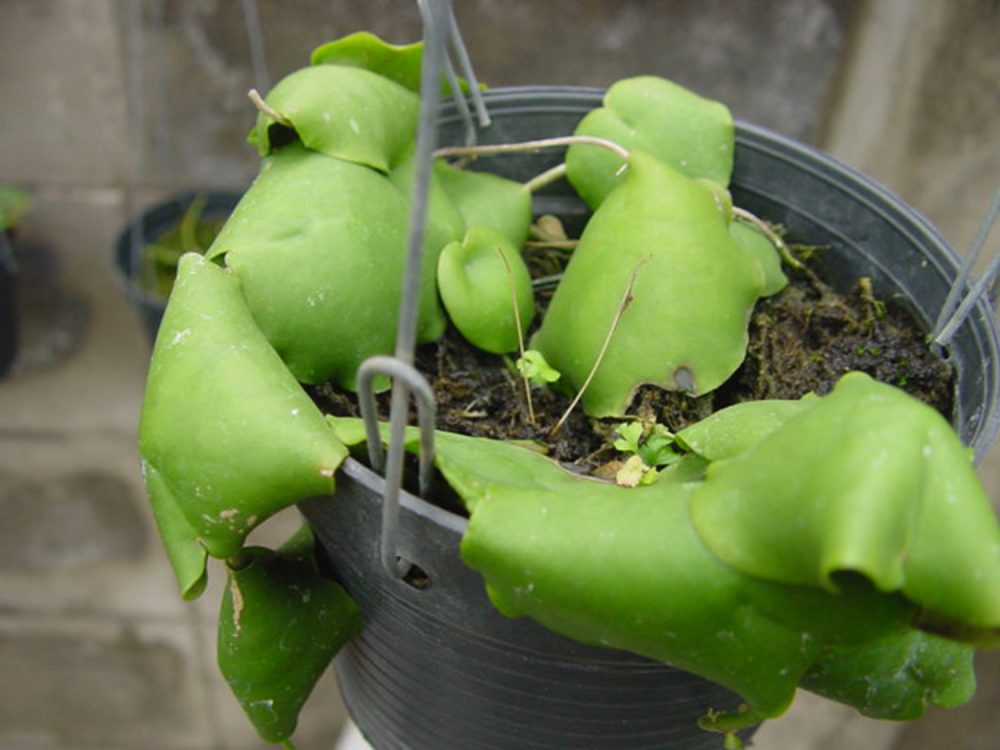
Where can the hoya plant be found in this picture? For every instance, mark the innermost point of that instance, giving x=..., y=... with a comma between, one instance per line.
x=840, y=543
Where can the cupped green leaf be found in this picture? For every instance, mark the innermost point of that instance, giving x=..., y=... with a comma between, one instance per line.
x=397, y=62
x=346, y=112
x=626, y=568
x=755, y=244
x=730, y=431
x=486, y=289
x=444, y=225
x=187, y=555
x=318, y=245
x=689, y=132
x=685, y=325
x=280, y=625
x=488, y=201
x=897, y=676
x=866, y=481
x=227, y=436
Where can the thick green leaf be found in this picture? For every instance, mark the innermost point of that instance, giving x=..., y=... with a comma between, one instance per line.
x=481, y=279
x=896, y=677
x=280, y=625
x=318, y=244
x=227, y=435
x=866, y=481
x=692, y=134
x=397, y=62
x=626, y=568
x=187, y=555
x=444, y=225
x=488, y=201
x=756, y=245
x=730, y=431
x=345, y=112
x=694, y=291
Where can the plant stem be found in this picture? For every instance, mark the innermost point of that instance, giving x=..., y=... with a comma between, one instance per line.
x=557, y=244
x=267, y=109
x=615, y=321
x=779, y=244
x=537, y=145
x=546, y=178
x=520, y=336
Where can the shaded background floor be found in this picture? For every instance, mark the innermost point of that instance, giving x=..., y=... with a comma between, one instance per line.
x=96, y=647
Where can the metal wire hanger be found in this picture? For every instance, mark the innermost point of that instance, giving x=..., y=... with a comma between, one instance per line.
x=440, y=26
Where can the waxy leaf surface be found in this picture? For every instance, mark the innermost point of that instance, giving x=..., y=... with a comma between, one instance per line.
x=896, y=677
x=346, y=112
x=398, y=62
x=689, y=132
x=227, y=436
x=318, y=245
x=866, y=481
x=755, y=244
x=694, y=291
x=479, y=279
x=626, y=568
x=488, y=201
x=280, y=625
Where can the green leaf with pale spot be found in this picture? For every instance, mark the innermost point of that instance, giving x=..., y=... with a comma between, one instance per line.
x=227, y=436
x=280, y=625
x=694, y=291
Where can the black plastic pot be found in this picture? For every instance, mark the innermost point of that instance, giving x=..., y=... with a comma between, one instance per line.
x=437, y=667
x=8, y=304
x=150, y=224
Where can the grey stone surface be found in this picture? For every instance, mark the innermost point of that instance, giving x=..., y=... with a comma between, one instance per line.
x=105, y=561
x=102, y=686
x=773, y=63
x=61, y=523
x=62, y=109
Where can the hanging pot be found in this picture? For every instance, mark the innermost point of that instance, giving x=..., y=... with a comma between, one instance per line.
x=436, y=666
x=132, y=263
x=8, y=304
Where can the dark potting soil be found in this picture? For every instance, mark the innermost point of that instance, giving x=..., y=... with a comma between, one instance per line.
x=801, y=340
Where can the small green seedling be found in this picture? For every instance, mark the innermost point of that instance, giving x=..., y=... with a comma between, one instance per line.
x=532, y=365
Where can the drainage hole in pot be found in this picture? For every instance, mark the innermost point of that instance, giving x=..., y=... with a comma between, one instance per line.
x=415, y=577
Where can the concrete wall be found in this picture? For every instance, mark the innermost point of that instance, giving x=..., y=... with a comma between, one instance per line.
x=95, y=648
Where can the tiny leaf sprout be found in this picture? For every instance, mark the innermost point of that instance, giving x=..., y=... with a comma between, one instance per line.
x=650, y=450
x=532, y=366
